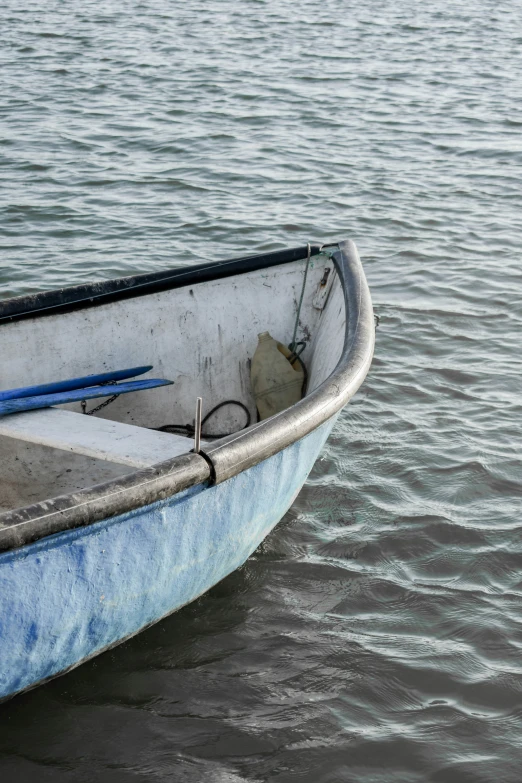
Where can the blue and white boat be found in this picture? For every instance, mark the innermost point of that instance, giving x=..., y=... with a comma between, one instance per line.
x=111, y=521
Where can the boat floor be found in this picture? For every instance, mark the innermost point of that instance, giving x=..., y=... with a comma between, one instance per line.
x=103, y=439
x=34, y=473
x=51, y=452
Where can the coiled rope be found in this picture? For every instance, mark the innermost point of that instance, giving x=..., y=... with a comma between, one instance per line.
x=189, y=429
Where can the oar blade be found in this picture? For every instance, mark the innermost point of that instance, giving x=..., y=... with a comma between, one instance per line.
x=47, y=400
x=73, y=383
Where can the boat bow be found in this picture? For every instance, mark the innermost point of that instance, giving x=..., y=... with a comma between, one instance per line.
x=228, y=456
x=236, y=453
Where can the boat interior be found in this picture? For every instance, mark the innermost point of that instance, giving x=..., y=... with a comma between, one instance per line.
x=202, y=337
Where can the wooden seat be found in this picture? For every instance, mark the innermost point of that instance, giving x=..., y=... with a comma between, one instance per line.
x=98, y=438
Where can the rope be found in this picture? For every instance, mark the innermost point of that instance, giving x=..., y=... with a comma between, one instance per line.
x=293, y=344
x=182, y=429
x=188, y=429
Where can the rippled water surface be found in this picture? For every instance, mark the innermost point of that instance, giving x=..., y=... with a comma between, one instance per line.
x=376, y=635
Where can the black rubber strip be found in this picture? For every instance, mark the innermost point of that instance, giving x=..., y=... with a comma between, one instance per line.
x=98, y=293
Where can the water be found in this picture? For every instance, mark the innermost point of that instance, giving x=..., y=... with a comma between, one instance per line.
x=376, y=636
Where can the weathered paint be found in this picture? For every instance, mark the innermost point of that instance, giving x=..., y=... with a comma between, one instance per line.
x=106, y=582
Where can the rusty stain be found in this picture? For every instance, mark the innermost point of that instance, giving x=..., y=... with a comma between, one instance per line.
x=325, y=277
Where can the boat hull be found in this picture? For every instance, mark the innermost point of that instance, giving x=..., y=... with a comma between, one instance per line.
x=72, y=595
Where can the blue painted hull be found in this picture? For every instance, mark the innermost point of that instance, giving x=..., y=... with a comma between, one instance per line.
x=71, y=595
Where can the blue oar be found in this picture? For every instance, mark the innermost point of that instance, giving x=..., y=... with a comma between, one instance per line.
x=46, y=400
x=72, y=383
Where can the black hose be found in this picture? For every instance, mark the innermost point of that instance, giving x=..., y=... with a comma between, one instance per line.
x=188, y=429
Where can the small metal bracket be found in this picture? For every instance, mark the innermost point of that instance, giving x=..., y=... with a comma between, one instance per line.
x=324, y=287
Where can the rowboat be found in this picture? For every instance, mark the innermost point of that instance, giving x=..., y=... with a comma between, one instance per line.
x=109, y=522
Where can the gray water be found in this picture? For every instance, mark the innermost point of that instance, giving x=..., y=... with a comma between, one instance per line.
x=376, y=635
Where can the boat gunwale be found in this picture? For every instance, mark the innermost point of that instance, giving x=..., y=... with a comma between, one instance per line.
x=78, y=297
x=228, y=456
